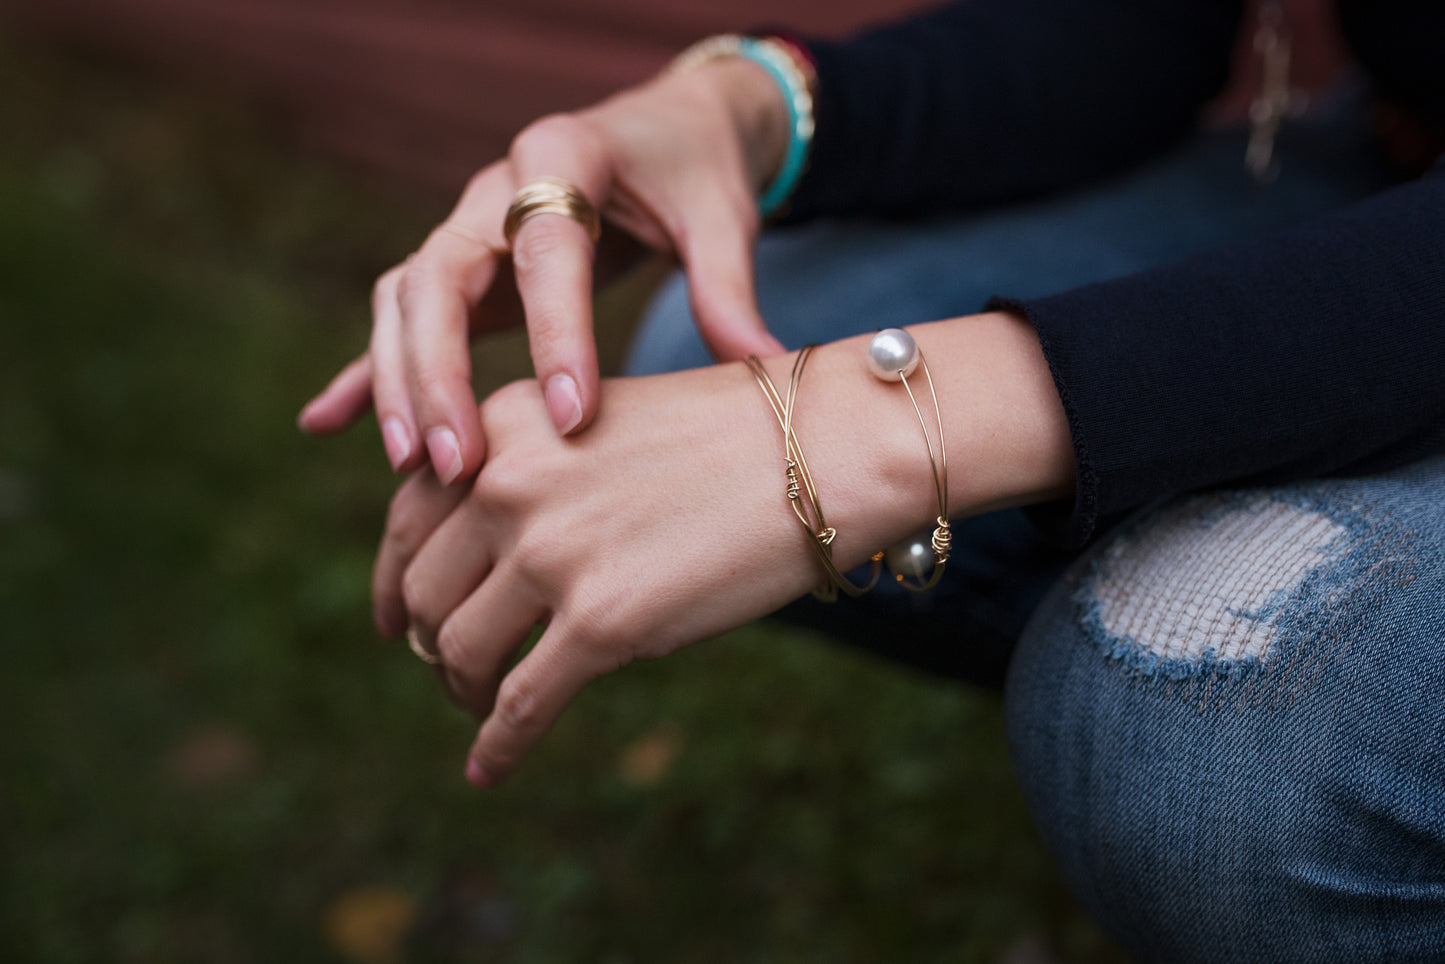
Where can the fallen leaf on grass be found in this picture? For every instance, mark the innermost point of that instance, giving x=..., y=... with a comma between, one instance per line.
x=212, y=756
x=648, y=758
x=369, y=925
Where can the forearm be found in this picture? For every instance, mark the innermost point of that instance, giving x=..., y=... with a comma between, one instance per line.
x=669, y=520
x=992, y=100
x=1315, y=351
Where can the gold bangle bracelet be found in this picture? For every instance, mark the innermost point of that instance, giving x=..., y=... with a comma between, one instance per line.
x=893, y=355
x=801, y=488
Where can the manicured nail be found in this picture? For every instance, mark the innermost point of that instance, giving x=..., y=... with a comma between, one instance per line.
x=397, y=441
x=476, y=776
x=446, y=455
x=564, y=403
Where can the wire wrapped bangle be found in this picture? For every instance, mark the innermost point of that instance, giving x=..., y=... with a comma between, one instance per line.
x=778, y=58
x=802, y=493
x=893, y=355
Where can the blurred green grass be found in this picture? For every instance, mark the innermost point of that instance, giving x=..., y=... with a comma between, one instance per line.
x=206, y=753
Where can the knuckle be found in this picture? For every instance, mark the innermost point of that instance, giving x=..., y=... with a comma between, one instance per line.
x=508, y=406
x=418, y=277
x=562, y=132
x=477, y=183
x=594, y=625
x=436, y=384
x=502, y=483
x=384, y=288
x=543, y=552
x=519, y=706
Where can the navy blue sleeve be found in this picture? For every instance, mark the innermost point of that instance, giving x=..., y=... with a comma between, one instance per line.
x=1399, y=43
x=1319, y=350
x=993, y=100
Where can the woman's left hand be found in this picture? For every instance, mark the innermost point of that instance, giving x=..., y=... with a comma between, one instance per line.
x=665, y=524
x=668, y=522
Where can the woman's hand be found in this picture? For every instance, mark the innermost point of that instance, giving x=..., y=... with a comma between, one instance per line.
x=676, y=164
x=668, y=522
x=664, y=524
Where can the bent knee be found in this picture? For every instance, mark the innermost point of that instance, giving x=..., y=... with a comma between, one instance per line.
x=1218, y=722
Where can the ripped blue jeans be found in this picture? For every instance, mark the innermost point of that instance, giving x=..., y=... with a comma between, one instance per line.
x=1228, y=715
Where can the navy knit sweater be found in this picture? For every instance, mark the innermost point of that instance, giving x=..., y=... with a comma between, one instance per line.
x=1314, y=351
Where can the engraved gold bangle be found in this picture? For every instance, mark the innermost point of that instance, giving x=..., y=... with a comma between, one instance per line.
x=801, y=490
x=550, y=195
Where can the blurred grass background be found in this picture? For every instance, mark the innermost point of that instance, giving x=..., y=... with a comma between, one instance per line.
x=206, y=754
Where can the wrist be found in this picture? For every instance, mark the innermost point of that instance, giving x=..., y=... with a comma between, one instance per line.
x=757, y=109
x=1006, y=434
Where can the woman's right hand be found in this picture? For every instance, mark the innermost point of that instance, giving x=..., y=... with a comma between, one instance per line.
x=676, y=163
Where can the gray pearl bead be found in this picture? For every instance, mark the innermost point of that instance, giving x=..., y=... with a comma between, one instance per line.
x=892, y=354
x=912, y=558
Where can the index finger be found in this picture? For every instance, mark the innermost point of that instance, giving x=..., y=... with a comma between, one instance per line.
x=552, y=254
x=532, y=695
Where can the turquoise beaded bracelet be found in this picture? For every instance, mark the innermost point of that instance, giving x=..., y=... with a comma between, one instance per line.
x=780, y=65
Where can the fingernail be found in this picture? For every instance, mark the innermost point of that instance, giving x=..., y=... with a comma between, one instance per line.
x=446, y=455
x=397, y=441
x=563, y=402
x=476, y=776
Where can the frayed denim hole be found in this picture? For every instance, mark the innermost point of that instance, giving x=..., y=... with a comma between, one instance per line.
x=1238, y=598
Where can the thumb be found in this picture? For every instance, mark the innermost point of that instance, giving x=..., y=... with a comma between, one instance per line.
x=717, y=252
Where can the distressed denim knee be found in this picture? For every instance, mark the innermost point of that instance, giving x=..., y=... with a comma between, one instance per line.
x=1229, y=722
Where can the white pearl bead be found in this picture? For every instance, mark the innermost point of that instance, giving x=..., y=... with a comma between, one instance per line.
x=912, y=558
x=892, y=354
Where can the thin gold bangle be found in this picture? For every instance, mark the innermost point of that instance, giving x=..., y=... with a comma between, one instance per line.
x=800, y=483
x=892, y=356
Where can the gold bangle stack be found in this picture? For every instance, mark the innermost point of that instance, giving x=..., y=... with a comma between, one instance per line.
x=893, y=355
x=801, y=489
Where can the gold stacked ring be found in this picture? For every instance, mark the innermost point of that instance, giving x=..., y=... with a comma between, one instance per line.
x=550, y=195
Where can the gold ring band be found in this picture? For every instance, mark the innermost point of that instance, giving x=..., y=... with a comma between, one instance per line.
x=550, y=195
x=422, y=653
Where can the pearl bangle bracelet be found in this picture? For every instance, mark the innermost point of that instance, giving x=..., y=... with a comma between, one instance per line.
x=892, y=356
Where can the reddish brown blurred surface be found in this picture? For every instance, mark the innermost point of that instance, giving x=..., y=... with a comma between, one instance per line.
x=428, y=90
